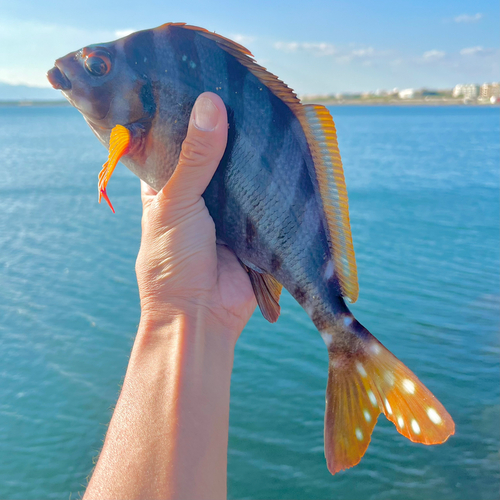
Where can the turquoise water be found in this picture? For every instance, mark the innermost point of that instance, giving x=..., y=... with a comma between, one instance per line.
x=424, y=196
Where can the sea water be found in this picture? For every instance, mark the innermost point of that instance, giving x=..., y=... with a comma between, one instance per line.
x=423, y=187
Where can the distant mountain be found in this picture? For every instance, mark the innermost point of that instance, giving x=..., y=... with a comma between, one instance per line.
x=24, y=93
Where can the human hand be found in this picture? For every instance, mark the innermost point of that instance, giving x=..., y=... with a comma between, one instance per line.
x=179, y=266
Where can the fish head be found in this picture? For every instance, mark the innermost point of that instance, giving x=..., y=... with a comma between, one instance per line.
x=100, y=82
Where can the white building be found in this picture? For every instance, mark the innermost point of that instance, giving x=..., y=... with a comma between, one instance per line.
x=406, y=94
x=467, y=91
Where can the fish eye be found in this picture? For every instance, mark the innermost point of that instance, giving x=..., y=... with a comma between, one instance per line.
x=97, y=63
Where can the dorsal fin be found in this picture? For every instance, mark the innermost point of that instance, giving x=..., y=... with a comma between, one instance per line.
x=322, y=140
x=245, y=57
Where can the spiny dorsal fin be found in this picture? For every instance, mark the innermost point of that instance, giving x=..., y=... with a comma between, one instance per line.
x=245, y=57
x=267, y=292
x=322, y=139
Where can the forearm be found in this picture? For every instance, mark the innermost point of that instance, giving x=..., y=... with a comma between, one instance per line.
x=168, y=435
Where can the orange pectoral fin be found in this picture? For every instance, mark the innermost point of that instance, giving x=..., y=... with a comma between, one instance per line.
x=119, y=145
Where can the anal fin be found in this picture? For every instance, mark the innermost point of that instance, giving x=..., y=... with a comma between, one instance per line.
x=267, y=292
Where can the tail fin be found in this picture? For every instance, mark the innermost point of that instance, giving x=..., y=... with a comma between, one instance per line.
x=364, y=380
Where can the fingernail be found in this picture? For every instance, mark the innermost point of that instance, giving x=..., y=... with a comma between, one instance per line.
x=205, y=114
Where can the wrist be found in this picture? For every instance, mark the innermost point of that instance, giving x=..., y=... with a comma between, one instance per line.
x=183, y=326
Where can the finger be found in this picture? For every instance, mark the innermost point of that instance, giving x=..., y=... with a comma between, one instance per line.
x=202, y=148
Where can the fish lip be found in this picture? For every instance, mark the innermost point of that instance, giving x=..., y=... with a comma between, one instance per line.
x=58, y=79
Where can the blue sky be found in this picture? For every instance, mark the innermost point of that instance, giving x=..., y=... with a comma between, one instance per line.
x=318, y=47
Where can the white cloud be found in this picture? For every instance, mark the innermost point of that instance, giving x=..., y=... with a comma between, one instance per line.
x=243, y=39
x=342, y=55
x=465, y=18
x=475, y=51
x=321, y=49
x=433, y=55
x=369, y=51
x=287, y=46
x=365, y=55
x=317, y=49
x=122, y=33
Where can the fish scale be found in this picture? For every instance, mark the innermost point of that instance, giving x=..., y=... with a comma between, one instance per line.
x=278, y=200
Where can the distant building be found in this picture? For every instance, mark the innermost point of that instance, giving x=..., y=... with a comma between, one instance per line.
x=406, y=94
x=489, y=90
x=457, y=90
x=467, y=91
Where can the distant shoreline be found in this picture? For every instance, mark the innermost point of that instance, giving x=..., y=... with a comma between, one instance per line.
x=305, y=100
x=28, y=103
x=397, y=102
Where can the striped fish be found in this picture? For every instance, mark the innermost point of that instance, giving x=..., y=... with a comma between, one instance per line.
x=278, y=199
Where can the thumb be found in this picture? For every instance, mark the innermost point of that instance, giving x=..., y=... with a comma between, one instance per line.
x=202, y=149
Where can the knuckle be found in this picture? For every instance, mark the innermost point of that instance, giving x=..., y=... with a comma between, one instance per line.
x=195, y=151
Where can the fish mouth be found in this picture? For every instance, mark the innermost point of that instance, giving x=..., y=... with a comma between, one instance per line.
x=58, y=79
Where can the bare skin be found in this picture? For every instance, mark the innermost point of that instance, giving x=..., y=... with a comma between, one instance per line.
x=168, y=435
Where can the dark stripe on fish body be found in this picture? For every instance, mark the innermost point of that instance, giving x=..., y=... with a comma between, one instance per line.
x=250, y=232
x=320, y=319
x=186, y=58
x=236, y=82
x=299, y=294
x=216, y=195
x=140, y=54
x=213, y=67
x=303, y=192
x=276, y=263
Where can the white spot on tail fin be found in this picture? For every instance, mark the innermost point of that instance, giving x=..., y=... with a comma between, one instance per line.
x=367, y=415
x=372, y=397
x=415, y=426
x=409, y=386
x=388, y=406
x=328, y=271
x=401, y=422
x=359, y=434
x=434, y=415
x=361, y=369
x=375, y=348
x=327, y=338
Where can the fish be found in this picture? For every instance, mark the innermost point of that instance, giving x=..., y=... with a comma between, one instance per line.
x=278, y=199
